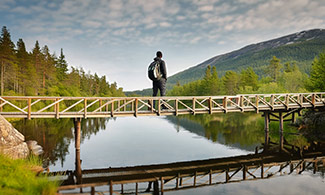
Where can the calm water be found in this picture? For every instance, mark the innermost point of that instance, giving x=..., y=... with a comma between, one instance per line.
x=133, y=141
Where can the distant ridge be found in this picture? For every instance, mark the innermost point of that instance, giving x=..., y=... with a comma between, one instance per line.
x=301, y=47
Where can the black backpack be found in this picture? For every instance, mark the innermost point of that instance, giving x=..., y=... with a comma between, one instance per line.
x=154, y=71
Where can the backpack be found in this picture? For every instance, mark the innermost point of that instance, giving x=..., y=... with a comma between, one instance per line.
x=154, y=71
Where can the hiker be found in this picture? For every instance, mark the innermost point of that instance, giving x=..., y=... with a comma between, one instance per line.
x=157, y=72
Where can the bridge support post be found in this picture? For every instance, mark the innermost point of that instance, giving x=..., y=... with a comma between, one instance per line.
x=281, y=130
x=266, y=129
x=77, y=127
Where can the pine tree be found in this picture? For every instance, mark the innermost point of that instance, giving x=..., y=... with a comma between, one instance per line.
x=48, y=69
x=248, y=78
x=230, y=82
x=317, y=75
x=37, y=59
x=61, y=66
x=274, y=68
x=7, y=56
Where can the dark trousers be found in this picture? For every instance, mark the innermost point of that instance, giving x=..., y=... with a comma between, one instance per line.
x=158, y=85
x=161, y=85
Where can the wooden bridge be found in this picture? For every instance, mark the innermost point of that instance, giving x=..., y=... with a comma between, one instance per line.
x=96, y=107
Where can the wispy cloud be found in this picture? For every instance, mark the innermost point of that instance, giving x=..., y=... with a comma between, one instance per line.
x=116, y=25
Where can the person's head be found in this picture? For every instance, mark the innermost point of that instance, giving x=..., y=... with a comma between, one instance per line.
x=159, y=54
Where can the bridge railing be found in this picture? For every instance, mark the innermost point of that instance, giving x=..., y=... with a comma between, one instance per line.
x=90, y=107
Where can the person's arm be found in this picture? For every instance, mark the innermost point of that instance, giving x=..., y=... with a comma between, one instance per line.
x=163, y=69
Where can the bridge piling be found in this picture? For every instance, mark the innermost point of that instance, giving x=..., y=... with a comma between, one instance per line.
x=77, y=127
x=266, y=129
x=281, y=130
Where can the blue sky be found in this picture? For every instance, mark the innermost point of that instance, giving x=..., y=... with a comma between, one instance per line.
x=119, y=38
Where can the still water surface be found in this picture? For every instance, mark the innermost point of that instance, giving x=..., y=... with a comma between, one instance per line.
x=133, y=141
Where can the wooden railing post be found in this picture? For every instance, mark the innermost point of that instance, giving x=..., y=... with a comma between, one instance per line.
x=210, y=105
x=112, y=109
x=136, y=107
x=193, y=105
x=57, y=109
x=85, y=109
x=224, y=103
x=272, y=101
x=257, y=99
x=29, y=108
x=287, y=101
x=176, y=107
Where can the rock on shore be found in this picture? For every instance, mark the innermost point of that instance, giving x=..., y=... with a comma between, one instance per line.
x=12, y=142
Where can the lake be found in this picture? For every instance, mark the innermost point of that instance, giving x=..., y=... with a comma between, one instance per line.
x=131, y=141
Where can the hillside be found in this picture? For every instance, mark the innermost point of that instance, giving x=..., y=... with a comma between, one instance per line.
x=301, y=47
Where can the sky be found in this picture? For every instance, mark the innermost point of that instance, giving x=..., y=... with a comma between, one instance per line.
x=120, y=38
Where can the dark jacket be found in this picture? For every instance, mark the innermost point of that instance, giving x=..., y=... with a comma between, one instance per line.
x=163, y=69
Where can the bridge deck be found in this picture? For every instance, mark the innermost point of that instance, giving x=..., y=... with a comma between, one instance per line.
x=99, y=107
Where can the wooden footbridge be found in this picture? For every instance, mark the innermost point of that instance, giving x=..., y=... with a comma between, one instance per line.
x=96, y=107
x=276, y=106
x=273, y=106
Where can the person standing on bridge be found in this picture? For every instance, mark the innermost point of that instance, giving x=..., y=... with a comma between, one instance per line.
x=157, y=72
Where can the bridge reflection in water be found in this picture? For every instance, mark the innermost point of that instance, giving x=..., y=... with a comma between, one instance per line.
x=191, y=174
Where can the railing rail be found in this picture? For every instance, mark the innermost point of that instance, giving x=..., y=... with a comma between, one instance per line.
x=97, y=107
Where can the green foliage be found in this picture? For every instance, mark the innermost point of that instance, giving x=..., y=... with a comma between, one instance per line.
x=248, y=79
x=291, y=80
x=42, y=73
x=317, y=75
x=273, y=70
x=17, y=177
x=231, y=82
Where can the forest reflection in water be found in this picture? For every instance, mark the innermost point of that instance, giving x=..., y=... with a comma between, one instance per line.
x=235, y=130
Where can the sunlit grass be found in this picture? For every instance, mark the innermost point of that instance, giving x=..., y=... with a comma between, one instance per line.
x=20, y=177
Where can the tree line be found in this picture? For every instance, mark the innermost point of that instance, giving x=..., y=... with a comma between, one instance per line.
x=41, y=73
x=280, y=78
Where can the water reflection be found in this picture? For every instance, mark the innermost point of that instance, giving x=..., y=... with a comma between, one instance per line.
x=55, y=136
x=176, y=176
x=234, y=130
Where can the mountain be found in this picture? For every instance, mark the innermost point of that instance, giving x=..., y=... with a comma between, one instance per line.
x=301, y=47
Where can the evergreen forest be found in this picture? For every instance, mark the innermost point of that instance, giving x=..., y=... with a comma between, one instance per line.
x=41, y=73
x=280, y=78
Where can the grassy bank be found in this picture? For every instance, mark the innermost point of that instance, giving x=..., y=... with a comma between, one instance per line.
x=19, y=177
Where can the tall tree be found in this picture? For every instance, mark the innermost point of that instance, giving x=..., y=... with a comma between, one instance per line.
x=248, y=78
x=47, y=68
x=317, y=74
x=274, y=68
x=61, y=66
x=37, y=59
x=7, y=55
x=230, y=82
